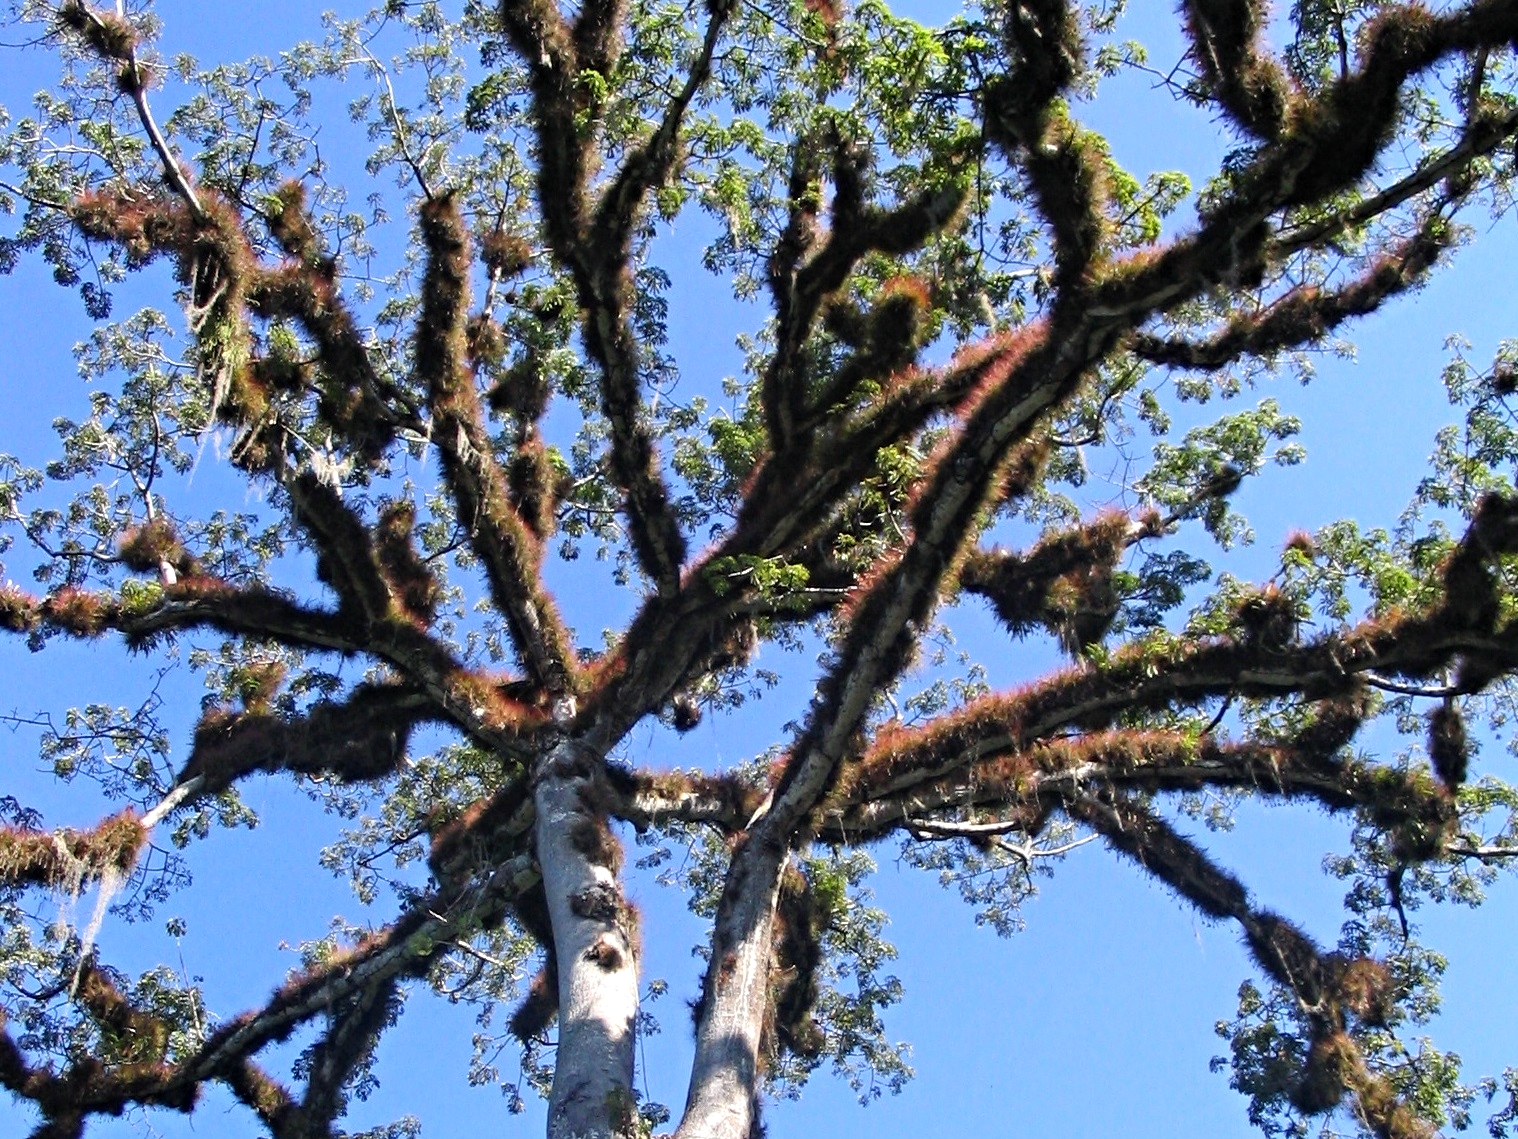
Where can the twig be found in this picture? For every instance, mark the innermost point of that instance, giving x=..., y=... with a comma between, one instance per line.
x=1485, y=852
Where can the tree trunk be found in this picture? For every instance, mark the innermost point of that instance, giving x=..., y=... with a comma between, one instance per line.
x=723, y=1099
x=596, y=950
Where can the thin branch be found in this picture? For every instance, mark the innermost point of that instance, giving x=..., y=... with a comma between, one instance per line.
x=173, y=173
x=1402, y=688
x=1025, y=852
x=398, y=128
x=1482, y=137
x=1482, y=852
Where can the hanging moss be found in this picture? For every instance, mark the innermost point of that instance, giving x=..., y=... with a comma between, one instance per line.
x=68, y=857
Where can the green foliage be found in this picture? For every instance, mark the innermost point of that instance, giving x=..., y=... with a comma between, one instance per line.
x=433, y=356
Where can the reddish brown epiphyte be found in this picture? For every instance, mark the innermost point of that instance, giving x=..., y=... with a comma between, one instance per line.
x=30, y=857
x=82, y=612
x=143, y=226
x=1331, y=1066
x=1302, y=543
x=684, y=712
x=19, y=610
x=154, y=544
x=533, y=482
x=523, y=391
x=829, y=11
x=108, y=34
x=411, y=581
x=505, y=254
x=1268, y=619
x=1226, y=43
x=1449, y=747
x=290, y=223
x=486, y=342
x=539, y=1007
x=1366, y=988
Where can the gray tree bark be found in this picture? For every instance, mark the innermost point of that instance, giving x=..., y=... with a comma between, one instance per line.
x=595, y=945
x=724, y=1087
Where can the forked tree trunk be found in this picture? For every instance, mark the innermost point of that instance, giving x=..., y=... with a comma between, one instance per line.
x=595, y=945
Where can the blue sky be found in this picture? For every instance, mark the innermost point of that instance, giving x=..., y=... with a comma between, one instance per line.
x=1097, y=1019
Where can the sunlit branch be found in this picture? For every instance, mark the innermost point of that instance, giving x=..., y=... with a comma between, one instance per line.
x=723, y=801
x=1403, y=688
x=1482, y=852
x=1030, y=781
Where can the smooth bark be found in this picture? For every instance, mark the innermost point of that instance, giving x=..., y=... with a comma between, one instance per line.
x=595, y=949
x=722, y=1102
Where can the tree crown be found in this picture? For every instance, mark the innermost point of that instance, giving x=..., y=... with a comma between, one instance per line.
x=446, y=389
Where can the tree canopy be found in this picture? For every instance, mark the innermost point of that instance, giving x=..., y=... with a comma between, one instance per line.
x=409, y=403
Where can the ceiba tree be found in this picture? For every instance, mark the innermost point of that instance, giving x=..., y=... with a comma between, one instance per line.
x=959, y=296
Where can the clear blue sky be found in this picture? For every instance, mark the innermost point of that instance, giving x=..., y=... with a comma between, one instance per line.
x=1095, y=1021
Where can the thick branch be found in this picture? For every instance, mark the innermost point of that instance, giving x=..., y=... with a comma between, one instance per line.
x=1064, y=582
x=1227, y=41
x=804, y=270
x=1026, y=117
x=71, y=859
x=565, y=120
x=723, y=1101
x=349, y=1041
x=1025, y=784
x=509, y=551
x=404, y=949
x=478, y=704
x=362, y=738
x=899, y=764
x=1307, y=313
x=650, y=166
